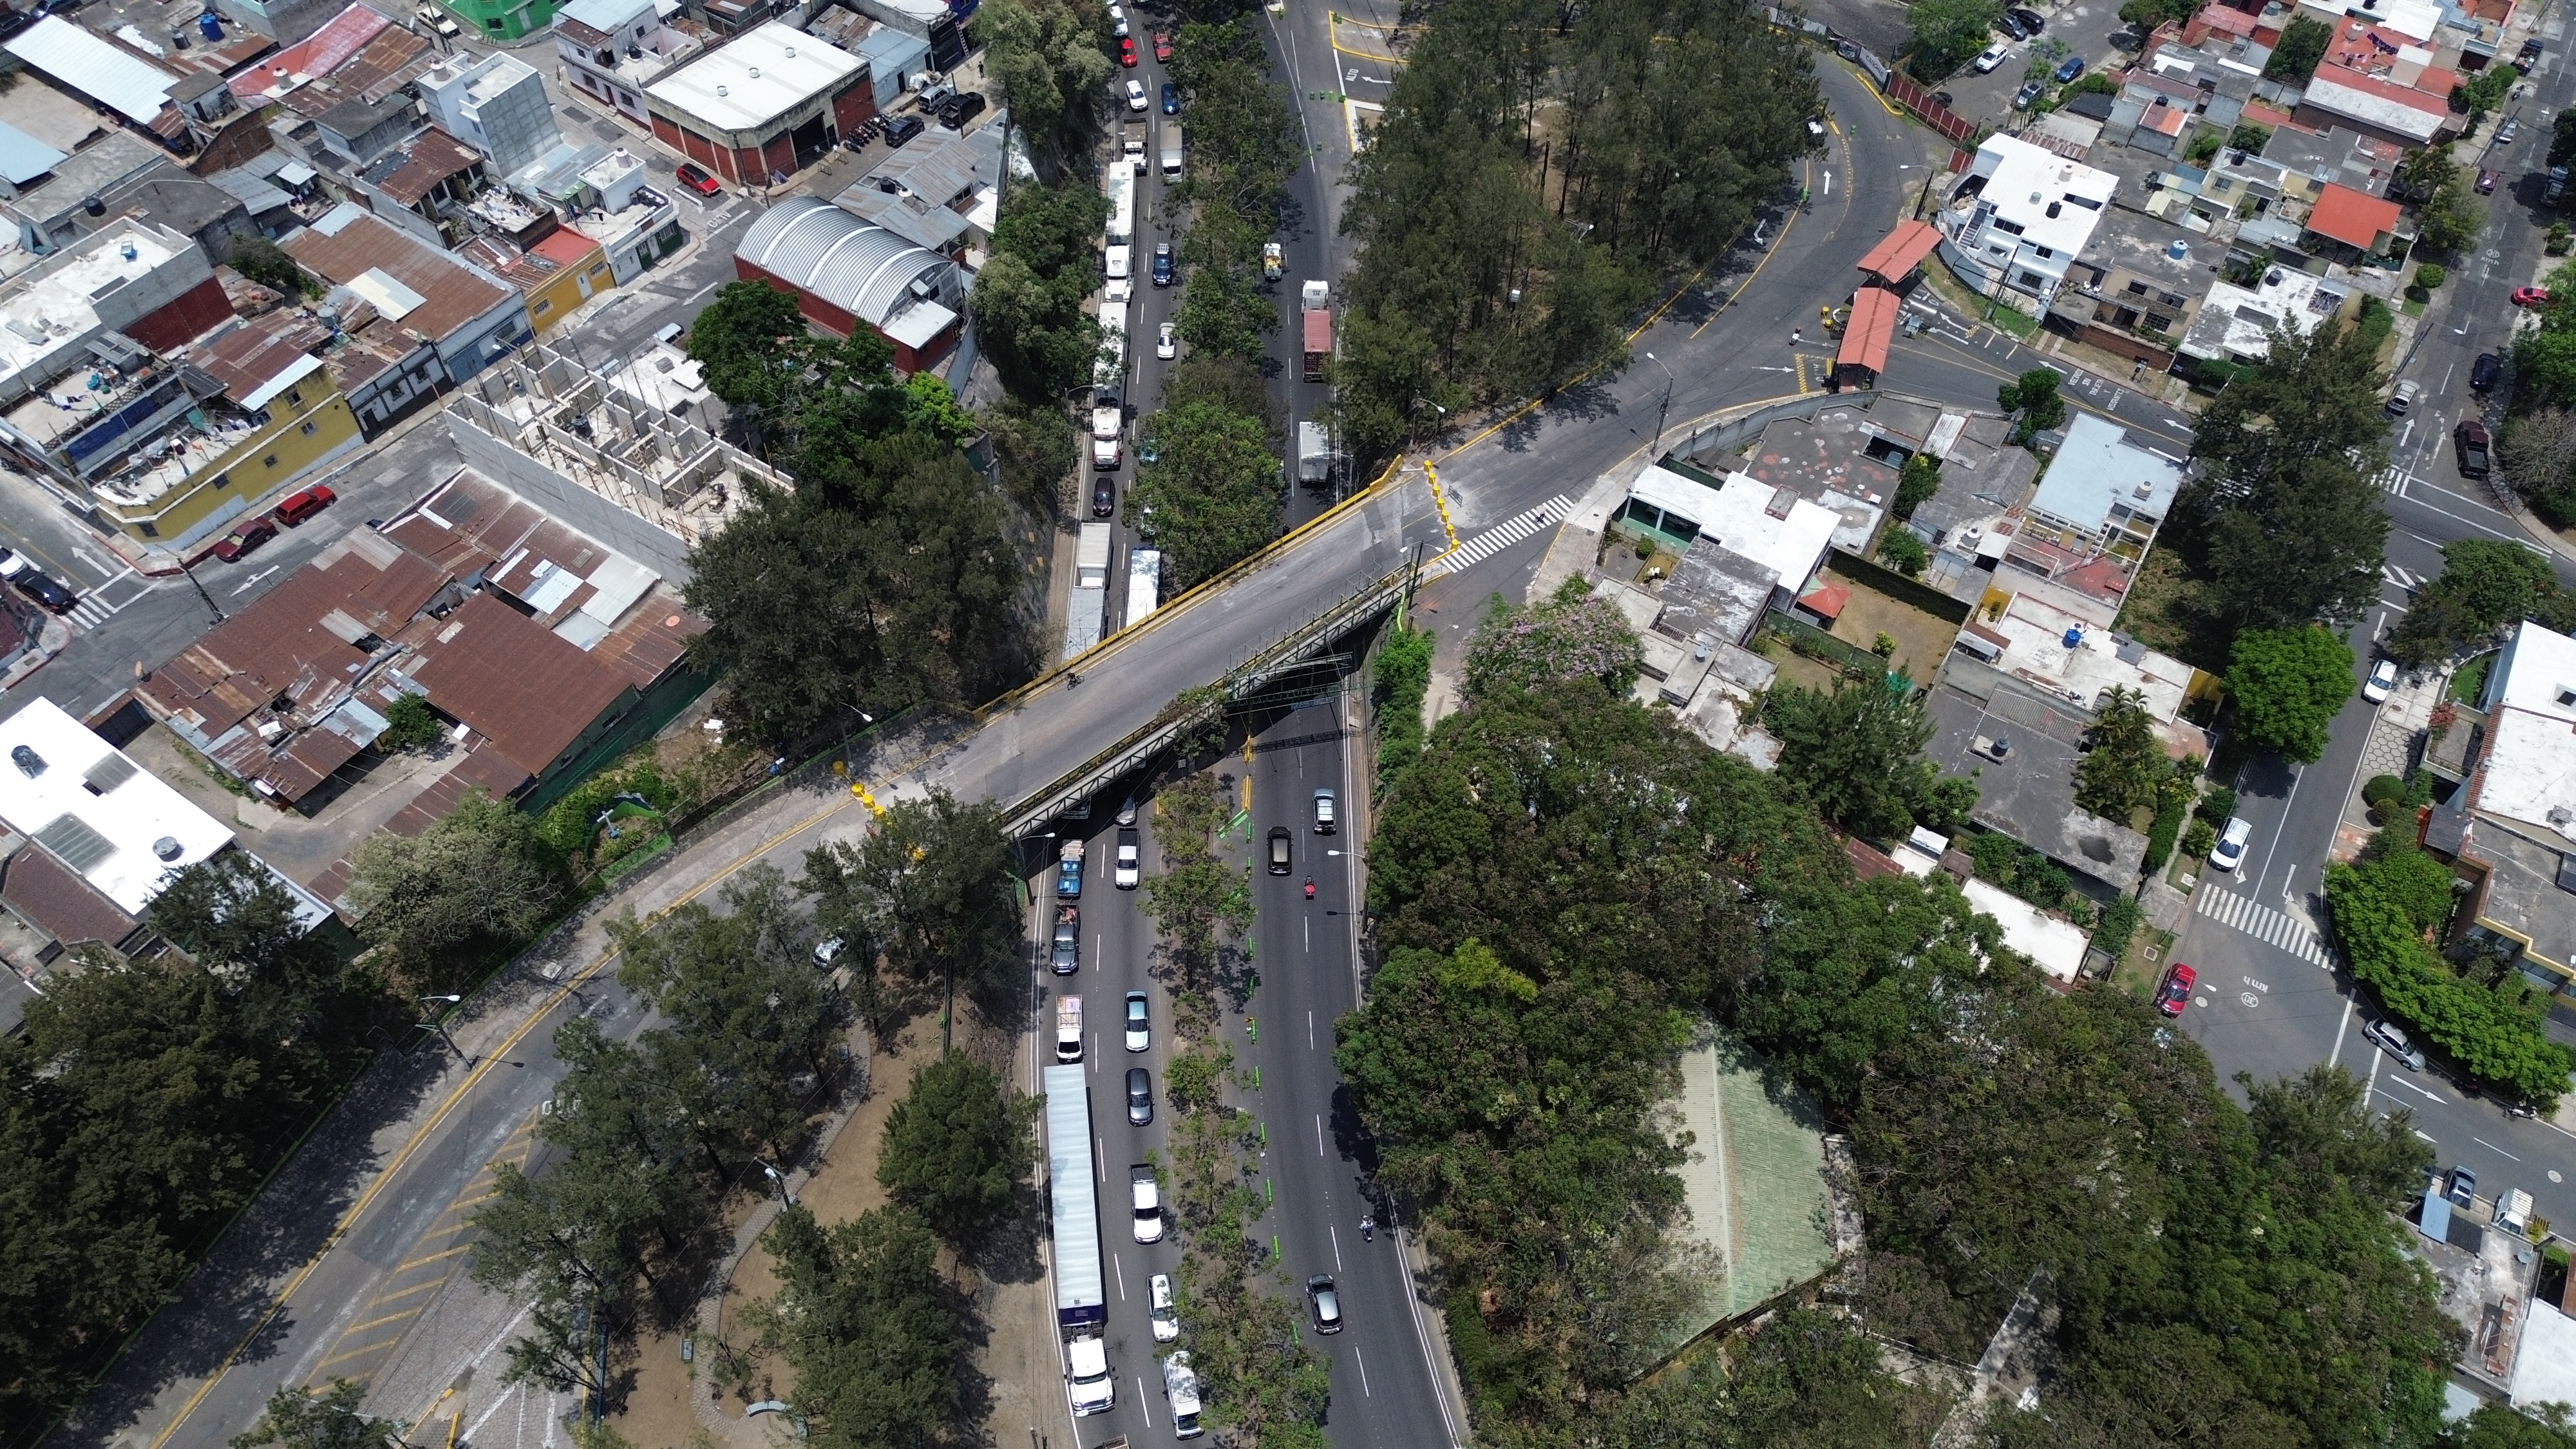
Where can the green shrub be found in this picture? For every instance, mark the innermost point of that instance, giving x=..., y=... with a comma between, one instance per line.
x=1904, y=552
x=2119, y=922
x=2430, y=277
x=2382, y=911
x=410, y=724
x=1403, y=679
x=2381, y=789
x=2216, y=806
x=2160, y=836
x=2197, y=841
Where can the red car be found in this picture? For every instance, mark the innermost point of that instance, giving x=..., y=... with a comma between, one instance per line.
x=2175, y=994
x=698, y=181
x=303, y=505
x=1127, y=50
x=245, y=538
x=2486, y=181
x=2531, y=296
x=1162, y=46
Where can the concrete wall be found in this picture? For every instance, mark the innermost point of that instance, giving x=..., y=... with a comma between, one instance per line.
x=559, y=495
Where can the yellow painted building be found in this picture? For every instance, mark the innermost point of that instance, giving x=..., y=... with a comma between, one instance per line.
x=277, y=418
x=555, y=276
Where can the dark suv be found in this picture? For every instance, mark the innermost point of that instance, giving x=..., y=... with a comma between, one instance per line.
x=2484, y=372
x=1104, y=498
x=902, y=129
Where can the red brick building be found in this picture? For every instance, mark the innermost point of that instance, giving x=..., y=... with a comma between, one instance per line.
x=847, y=273
x=763, y=104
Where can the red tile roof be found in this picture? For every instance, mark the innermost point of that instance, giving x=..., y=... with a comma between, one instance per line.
x=1825, y=601
x=564, y=246
x=2348, y=216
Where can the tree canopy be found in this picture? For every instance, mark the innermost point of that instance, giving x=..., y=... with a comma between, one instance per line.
x=1857, y=751
x=863, y=1317
x=957, y=1148
x=932, y=890
x=330, y=1419
x=2303, y=44
x=141, y=1105
x=1494, y=262
x=1212, y=498
x=2293, y=527
x=2288, y=684
x=456, y=899
x=2485, y=586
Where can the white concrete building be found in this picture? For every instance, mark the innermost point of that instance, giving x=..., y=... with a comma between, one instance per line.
x=612, y=49
x=497, y=105
x=2029, y=221
x=2235, y=324
x=118, y=825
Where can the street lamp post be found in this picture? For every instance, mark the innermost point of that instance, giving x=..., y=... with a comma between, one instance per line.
x=1662, y=412
x=438, y=1025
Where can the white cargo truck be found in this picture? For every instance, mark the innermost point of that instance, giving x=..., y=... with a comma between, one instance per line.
x=1081, y=1312
x=1172, y=152
x=1144, y=583
x=1068, y=1029
x=1122, y=206
x=1314, y=453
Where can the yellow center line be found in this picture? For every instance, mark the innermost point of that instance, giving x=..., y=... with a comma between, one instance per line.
x=402, y=1316
x=423, y=1286
x=473, y=1078
x=353, y=1353
x=432, y=1257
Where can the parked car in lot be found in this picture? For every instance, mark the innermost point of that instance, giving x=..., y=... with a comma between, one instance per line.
x=697, y=180
x=2383, y=678
x=245, y=538
x=440, y=21
x=2394, y=1042
x=2531, y=296
x=903, y=128
x=2031, y=20
x=828, y=950
x=2401, y=398
x=2068, y=69
x=2464, y=1188
x=2011, y=24
x=2028, y=93
x=1991, y=57
x=2175, y=993
x=2229, y=852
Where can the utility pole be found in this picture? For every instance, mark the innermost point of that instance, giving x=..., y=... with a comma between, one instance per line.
x=1662, y=412
x=211, y=606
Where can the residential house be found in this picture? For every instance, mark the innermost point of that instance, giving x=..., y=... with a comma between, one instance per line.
x=424, y=185
x=2236, y=323
x=556, y=276
x=2364, y=226
x=443, y=319
x=2510, y=830
x=340, y=96
x=2103, y=493
x=612, y=49
x=1764, y=536
x=2027, y=214
x=2136, y=288
x=88, y=837
x=2381, y=81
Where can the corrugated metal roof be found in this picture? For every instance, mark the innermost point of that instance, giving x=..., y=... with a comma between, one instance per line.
x=863, y=269
x=87, y=63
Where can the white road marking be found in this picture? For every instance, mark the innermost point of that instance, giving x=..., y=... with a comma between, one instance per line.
x=2498, y=1151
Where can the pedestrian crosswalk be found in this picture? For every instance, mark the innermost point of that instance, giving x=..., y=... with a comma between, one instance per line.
x=89, y=613
x=2406, y=579
x=2393, y=479
x=1502, y=536
x=2264, y=924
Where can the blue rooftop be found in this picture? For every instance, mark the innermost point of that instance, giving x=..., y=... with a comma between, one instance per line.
x=23, y=158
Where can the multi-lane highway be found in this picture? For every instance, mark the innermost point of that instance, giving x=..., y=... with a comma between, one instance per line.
x=1385, y=1391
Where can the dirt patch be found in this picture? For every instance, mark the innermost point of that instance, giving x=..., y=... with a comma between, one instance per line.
x=1922, y=637
x=2169, y=609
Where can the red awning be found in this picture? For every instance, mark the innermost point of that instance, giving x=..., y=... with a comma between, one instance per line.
x=1901, y=251
x=1871, y=330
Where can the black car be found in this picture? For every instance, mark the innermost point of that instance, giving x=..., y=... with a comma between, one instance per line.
x=1104, y=498
x=2031, y=20
x=902, y=129
x=958, y=109
x=1162, y=264
x=45, y=591
x=2484, y=372
x=1140, y=1096
x=1279, y=849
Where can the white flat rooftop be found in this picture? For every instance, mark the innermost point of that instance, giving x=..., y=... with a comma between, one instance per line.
x=108, y=818
x=2037, y=651
x=756, y=78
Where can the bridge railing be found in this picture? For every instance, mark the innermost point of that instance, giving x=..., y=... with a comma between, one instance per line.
x=1245, y=678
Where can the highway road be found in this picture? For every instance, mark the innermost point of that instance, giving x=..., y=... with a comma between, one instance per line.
x=1384, y=1389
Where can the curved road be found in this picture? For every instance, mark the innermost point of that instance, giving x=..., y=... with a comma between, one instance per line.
x=334, y=1255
